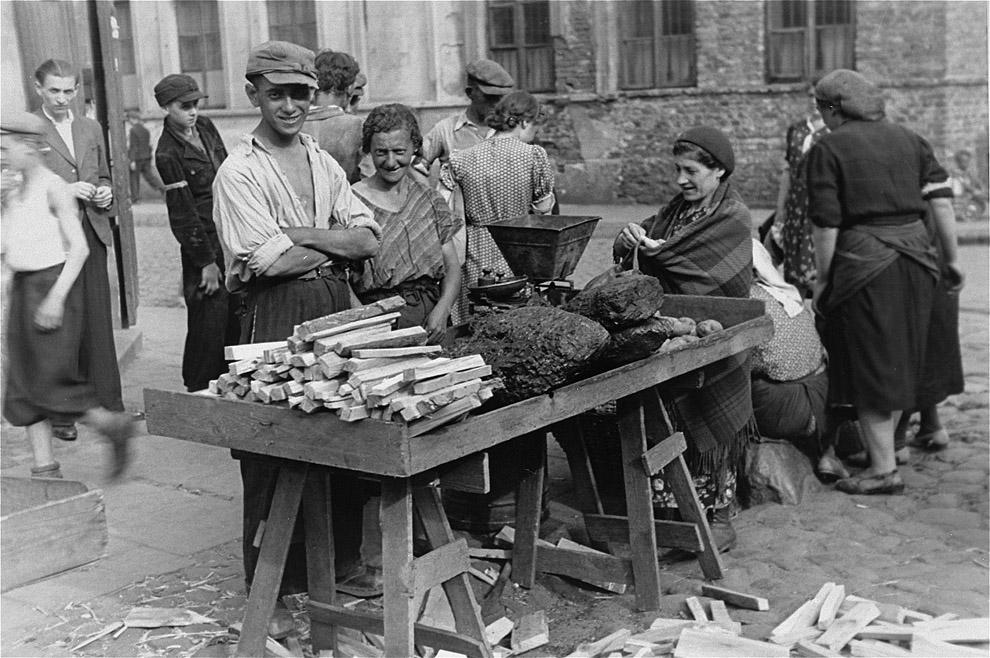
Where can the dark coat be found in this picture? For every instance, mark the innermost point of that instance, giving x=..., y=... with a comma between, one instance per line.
x=89, y=164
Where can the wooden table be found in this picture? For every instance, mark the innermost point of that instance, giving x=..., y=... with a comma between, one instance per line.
x=406, y=466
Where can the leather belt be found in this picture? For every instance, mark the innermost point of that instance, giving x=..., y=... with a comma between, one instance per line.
x=324, y=271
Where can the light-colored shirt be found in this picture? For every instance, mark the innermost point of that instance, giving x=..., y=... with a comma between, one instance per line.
x=64, y=129
x=253, y=202
x=32, y=237
x=453, y=134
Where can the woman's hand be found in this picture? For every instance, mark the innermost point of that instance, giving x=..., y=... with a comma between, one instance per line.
x=630, y=237
x=48, y=317
x=956, y=278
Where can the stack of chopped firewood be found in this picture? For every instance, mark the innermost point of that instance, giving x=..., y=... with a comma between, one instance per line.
x=356, y=364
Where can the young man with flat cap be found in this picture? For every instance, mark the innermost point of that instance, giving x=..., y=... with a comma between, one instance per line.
x=287, y=222
x=188, y=155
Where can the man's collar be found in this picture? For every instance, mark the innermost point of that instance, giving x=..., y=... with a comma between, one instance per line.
x=463, y=120
x=70, y=116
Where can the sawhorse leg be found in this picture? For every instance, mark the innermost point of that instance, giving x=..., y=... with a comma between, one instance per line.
x=397, y=559
x=271, y=560
x=529, y=506
x=320, y=571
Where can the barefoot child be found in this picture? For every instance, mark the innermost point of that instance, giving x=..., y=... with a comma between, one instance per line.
x=45, y=248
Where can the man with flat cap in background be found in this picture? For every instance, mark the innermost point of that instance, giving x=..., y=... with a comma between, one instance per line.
x=188, y=155
x=287, y=222
x=487, y=83
x=336, y=131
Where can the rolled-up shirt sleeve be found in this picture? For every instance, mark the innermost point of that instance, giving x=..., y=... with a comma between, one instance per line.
x=251, y=238
x=348, y=211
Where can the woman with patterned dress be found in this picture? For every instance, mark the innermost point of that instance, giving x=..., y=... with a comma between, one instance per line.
x=504, y=176
x=791, y=230
x=870, y=182
x=417, y=259
x=699, y=244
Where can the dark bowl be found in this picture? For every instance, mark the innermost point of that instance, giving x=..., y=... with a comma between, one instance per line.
x=500, y=291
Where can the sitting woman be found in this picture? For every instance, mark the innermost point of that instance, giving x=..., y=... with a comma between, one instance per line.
x=699, y=244
x=789, y=377
x=504, y=176
x=417, y=258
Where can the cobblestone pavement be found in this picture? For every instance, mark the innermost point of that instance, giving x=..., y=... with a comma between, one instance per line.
x=927, y=550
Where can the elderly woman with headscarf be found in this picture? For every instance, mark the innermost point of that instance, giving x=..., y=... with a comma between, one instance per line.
x=699, y=244
x=870, y=182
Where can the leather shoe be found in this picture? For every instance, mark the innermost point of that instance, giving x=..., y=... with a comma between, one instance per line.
x=830, y=469
x=65, y=432
x=932, y=441
x=872, y=485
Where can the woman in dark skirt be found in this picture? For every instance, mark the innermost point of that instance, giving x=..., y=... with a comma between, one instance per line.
x=870, y=183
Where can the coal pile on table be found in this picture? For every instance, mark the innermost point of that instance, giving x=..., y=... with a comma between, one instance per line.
x=629, y=299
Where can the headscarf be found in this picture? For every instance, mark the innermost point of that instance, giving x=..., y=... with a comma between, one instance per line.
x=767, y=277
x=853, y=94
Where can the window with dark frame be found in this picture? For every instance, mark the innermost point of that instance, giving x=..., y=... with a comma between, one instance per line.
x=293, y=21
x=200, y=55
x=519, y=39
x=656, y=44
x=808, y=38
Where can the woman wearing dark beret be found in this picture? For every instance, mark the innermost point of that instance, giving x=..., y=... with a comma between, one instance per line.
x=699, y=244
x=870, y=183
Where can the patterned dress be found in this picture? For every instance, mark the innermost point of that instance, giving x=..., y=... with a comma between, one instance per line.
x=499, y=178
x=796, y=240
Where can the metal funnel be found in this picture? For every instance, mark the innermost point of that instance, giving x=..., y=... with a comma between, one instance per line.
x=543, y=247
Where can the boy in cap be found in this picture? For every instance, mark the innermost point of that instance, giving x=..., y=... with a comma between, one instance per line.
x=44, y=245
x=287, y=222
x=336, y=131
x=187, y=157
x=139, y=153
x=78, y=156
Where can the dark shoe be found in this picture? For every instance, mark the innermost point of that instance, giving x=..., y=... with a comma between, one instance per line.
x=65, y=432
x=51, y=471
x=933, y=441
x=723, y=534
x=830, y=469
x=862, y=459
x=872, y=485
x=365, y=584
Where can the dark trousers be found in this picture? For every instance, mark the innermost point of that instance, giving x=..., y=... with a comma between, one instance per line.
x=144, y=168
x=272, y=309
x=211, y=323
x=98, y=354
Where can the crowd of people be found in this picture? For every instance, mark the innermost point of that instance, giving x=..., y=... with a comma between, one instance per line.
x=316, y=207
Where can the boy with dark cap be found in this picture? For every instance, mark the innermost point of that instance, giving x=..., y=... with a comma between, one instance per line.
x=139, y=153
x=187, y=157
x=336, y=131
x=44, y=246
x=287, y=222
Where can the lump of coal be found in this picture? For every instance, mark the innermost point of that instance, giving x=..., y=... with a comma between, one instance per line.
x=533, y=348
x=637, y=342
x=620, y=303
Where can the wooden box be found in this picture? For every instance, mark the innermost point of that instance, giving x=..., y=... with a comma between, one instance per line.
x=48, y=526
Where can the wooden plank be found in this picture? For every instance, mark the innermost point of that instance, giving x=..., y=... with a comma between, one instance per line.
x=720, y=615
x=396, y=352
x=490, y=553
x=354, y=413
x=271, y=559
x=925, y=646
x=297, y=345
x=614, y=641
x=732, y=597
x=845, y=628
x=671, y=534
x=251, y=350
x=331, y=364
x=812, y=650
x=436, y=370
x=529, y=505
x=618, y=588
x=320, y=572
x=582, y=565
x=52, y=537
x=696, y=609
x=355, y=364
x=443, y=416
x=17, y=494
x=806, y=615
x=397, y=368
x=955, y=630
x=531, y=631
x=470, y=474
x=440, y=565
x=830, y=606
x=449, y=393
x=397, y=547
x=888, y=633
x=329, y=344
x=371, y=622
x=873, y=649
x=662, y=454
x=788, y=639
x=386, y=319
x=244, y=366
x=695, y=643
x=380, y=307
x=302, y=360
x=397, y=338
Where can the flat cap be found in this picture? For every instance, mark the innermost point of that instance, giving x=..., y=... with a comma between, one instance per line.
x=282, y=63
x=177, y=87
x=21, y=123
x=852, y=93
x=490, y=77
x=714, y=141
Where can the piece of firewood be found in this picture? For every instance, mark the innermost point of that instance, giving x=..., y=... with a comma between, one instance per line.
x=321, y=390
x=496, y=631
x=244, y=366
x=395, y=352
x=531, y=631
x=297, y=345
x=430, y=371
x=955, y=630
x=812, y=650
x=612, y=642
x=443, y=415
x=795, y=636
x=845, y=627
x=311, y=406
x=293, y=388
x=314, y=373
x=275, y=355
x=830, y=606
x=435, y=384
x=398, y=338
x=490, y=553
x=925, y=646
x=381, y=307
x=696, y=643
x=331, y=364
x=376, y=375
x=806, y=614
x=449, y=394
x=329, y=344
x=303, y=359
x=297, y=375
x=697, y=610
x=873, y=649
x=738, y=599
x=295, y=400
x=720, y=615
x=387, y=320
x=887, y=633
x=354, y=413
x=250, y=350
x=355, y=364
x=601, y=583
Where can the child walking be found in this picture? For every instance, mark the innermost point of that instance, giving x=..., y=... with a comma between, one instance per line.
x=45, y=248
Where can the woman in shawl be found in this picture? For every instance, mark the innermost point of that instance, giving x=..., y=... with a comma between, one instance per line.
x=870, y=183
x=699, y=244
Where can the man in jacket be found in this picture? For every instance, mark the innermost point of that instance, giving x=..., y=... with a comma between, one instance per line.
x=139, y=154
